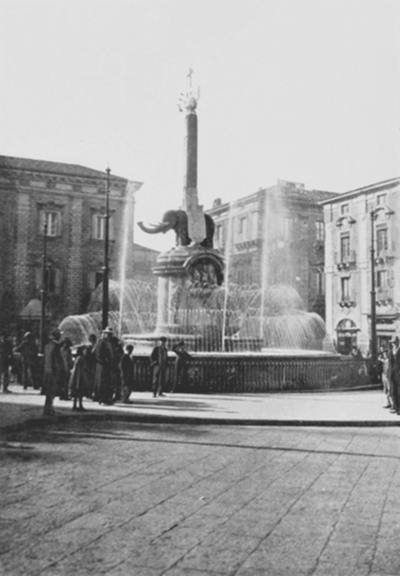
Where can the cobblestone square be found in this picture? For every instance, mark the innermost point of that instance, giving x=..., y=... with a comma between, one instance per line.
x=86, y=497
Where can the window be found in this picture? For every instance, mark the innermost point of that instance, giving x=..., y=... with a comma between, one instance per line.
x=255, y=225
x=219, y=234
x=243, y=226
x=319, y=230
x=381, y=199
x=94, y=279
x=283, y=227
x=52, y=279
x=381, y=279
x=345, y=248
x=50, y=223
x=320, y=282
x=381, y=240
x=344, y=209
x=99, y=226
x=345, y=288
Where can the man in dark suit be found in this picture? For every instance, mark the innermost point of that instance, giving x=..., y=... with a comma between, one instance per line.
x=126, y=371
x=159, y=364
x=395, y=373
x=180, y=373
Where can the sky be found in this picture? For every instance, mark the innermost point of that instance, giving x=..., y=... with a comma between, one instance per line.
x=302, y=90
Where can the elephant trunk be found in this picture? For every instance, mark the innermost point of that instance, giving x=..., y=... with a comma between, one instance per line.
x=154, y=228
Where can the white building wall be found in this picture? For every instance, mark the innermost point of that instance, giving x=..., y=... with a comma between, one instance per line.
x=357, y=223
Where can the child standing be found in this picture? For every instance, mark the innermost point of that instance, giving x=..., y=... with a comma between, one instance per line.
x=78, y=383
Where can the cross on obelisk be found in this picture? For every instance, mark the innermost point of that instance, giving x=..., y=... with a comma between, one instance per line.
x=196, y=223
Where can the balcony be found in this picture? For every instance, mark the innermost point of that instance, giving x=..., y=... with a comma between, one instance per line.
x=348, y=301
x=248, y=244
x=384, y=296
x=383, y=256
x=345, y=261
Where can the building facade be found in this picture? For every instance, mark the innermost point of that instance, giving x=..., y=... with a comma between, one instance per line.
x=52, y=228
x=355, y=222
x=275, y=236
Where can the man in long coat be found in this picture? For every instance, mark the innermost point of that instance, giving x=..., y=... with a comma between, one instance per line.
x=180, y=372
x=126, y=372
x=54, y=371
x=395, y=373
x=104, y=361
x=159, y=364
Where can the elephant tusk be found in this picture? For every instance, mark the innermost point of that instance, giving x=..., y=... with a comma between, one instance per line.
x=154, y=228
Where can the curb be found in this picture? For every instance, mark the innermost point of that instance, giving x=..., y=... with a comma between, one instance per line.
x=194, y=420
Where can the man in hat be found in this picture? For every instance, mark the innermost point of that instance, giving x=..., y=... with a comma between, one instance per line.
x=180, y=371
x=29, y=354
x=54, y=370
x=159, y=364
x=126, y=371
x=104, y=359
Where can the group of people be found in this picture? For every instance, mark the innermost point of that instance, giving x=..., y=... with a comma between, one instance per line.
x=159, y=366
x=389, y=369
x=101, y=370
x=104, y=371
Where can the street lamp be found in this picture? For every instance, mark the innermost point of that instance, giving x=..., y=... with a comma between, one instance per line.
x=374, y=347
x=374, y=341
x=43, y=293
x=104, y=321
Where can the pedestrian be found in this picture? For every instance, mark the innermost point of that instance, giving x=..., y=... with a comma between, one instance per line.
x=6, y=357
x=90, y=365
x=395, y=373
x=78, y=382
x=54, y=370
x=29, y=353
x=117, y=353
x=385, y=363
x=16, y=367
x=104, y=361
x=126, y=371
x=66, y=354
x=159, y=364
x=356, y=352
x=180, y=369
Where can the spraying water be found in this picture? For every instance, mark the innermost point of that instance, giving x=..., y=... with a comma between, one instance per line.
x=127, y=241
x=228, y=250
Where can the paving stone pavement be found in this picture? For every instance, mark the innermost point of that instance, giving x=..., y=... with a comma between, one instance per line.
x=120, y=499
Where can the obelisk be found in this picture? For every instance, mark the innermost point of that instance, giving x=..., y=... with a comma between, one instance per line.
x=196, y=223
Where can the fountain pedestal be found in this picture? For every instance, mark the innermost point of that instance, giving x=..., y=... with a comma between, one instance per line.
x=188, y=281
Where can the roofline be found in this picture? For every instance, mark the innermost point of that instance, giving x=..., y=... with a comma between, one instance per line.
x=384, y=184
x=262, y=192
x=44, y=171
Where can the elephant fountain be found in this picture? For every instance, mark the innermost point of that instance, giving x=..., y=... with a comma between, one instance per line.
x=177, y=220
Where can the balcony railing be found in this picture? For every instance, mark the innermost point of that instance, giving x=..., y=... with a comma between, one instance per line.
x=345, y=261
x=348, y=301
x=384, y=296
x=382, y=256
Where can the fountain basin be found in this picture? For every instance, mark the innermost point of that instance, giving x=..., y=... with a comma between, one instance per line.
x=256, y=372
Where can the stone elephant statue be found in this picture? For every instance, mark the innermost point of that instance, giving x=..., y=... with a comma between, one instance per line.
x=177, y=220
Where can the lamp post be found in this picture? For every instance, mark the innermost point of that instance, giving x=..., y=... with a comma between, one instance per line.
x=43, y=292
x=104, y=321
x=387, y=211
x=374, y=346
